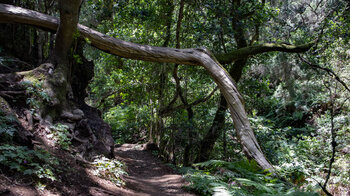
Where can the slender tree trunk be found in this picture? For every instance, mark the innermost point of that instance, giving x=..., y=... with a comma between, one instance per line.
x=163, y=79
x=287, y=72
x=187, y=151
x=224, y=145
x=190, y=114
x=208, y=142
x=69, y=16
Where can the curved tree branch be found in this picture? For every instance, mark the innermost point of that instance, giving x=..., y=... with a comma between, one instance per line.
x=108, y=44
x=261, y=48
x=9, y=13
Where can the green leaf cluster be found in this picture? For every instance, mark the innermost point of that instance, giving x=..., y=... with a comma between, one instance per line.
x=109, y=169
x=37, y=163
x=7, y=126
x=37, y=94
x=60, y=134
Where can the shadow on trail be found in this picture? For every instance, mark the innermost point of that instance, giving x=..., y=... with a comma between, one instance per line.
x=147, y=175
x=73, y=180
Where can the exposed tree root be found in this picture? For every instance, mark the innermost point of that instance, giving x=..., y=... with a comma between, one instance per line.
x=91, y=135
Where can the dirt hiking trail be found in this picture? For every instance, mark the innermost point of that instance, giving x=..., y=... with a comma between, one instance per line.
x=148, y=175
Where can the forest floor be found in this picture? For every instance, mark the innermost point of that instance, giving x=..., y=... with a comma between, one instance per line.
x=147, y=175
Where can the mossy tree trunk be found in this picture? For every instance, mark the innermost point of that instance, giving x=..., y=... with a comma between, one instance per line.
x=58, y=83
x=64, y=81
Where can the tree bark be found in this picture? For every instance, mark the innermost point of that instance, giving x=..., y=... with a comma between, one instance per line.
x=208, y=142
x=69, y=16
x=59, y=82
x=214, y=132
x=198, y=56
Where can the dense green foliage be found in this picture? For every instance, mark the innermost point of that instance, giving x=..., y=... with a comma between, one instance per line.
x=236, y=178
x=7, y=128
x=37, y=163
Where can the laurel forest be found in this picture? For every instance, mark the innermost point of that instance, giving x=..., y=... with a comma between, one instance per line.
x=240, y=97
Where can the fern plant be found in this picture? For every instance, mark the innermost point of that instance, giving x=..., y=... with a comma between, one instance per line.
x=216, y=177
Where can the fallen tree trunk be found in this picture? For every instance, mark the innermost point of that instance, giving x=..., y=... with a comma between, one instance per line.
x=198, y=56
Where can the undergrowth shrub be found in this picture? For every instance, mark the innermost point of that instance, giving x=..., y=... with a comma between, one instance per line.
x=60, y=134
x=128, y=122
x=216, y=177
x=36, y=92
x=36, y=163
x=109, y=169
x=302, y=154
x=7, y=128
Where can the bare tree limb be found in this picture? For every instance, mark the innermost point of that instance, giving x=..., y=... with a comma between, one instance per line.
x=329, y=71
x=333, y=143
x=166, y=111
